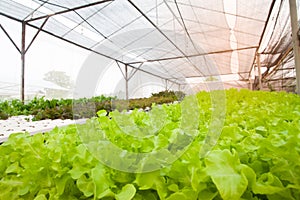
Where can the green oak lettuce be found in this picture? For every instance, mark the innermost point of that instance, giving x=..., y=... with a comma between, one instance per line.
x=257, y=155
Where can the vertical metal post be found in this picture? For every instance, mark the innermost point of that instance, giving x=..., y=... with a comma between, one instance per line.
x=126, y=81
x=296, y=48
x=166, y=85
x=23, y=51
x=259, y=71
x=250, y=84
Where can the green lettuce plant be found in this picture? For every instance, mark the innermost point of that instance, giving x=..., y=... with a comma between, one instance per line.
x=256, y=156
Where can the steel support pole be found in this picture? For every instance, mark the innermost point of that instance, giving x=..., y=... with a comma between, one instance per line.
x=126, y=81
x=259, y=71
x=296, y=48
x=250, y=84
x=23, y=51
x=166, y=85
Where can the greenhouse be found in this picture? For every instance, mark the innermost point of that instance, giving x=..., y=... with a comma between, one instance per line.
x=152, y=99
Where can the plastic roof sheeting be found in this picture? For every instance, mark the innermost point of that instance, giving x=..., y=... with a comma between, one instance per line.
x=174, y=39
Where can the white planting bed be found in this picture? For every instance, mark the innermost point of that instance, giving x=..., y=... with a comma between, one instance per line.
x=23, y=123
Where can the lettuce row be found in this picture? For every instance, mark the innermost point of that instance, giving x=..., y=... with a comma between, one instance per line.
x=256, y=156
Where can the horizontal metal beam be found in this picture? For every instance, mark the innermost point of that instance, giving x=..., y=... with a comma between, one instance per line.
x=195, y=55
x=68, y=10
x=280, y=79
x=96, y=52
x=283, y=86
x=217, y=75
x=10, y=17
x=288, y=68
x=277, y=65
x=154, y=74
x=71, y=42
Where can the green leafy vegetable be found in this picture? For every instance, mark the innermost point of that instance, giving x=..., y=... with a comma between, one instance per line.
x=256, y=156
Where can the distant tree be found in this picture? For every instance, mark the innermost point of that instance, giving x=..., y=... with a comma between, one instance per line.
x=211, y=78
x=59, y=78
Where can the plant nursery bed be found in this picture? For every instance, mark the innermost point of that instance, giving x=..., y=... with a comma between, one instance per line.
x=23, y=123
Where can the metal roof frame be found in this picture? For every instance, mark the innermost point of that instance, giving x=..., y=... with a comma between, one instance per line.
x=179, y=18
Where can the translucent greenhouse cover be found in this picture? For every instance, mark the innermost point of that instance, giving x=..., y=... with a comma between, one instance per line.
x=172, y=39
